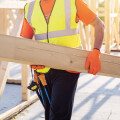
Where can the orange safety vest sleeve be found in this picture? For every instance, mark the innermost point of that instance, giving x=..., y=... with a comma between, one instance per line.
x=83, y=13
x=26, y=30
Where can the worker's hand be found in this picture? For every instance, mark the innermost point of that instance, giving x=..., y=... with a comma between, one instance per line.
x=93, y=62
x=37, y=66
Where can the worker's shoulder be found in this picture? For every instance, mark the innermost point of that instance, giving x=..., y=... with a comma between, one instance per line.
x=28, y=3
x=26, y=7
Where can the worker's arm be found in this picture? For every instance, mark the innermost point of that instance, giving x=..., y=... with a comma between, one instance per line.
x=93, y=63
x=99, y=32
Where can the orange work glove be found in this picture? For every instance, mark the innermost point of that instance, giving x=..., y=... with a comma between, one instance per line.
x=93, y=62
x=37, y=66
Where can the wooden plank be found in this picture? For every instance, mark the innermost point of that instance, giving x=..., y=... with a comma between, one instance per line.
x=3, y=22
x=18, y=108
x=18, y=24
x=112, y=34
x=117, y=23
x=13, y=4
x=115, y=50
x=27, y=51
x=4, y=69
x=4, y=65
x=13, y=81
x=113, y=46
x=25, y=82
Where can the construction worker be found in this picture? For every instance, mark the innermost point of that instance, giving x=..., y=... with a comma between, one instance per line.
x=56, y=22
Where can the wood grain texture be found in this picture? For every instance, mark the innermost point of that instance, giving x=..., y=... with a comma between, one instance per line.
x=25, y=82
x=33, y=52
x=107, y=26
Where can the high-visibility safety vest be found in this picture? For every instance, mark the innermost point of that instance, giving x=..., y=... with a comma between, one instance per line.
x=62, y=28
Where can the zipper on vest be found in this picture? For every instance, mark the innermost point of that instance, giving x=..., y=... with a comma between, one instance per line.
x=48, y=20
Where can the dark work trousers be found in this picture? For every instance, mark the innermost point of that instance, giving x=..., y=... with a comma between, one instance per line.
x=62, y=87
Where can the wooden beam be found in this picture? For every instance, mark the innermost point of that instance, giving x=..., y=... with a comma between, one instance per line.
x=117, y=22
x=107, y=26
x=27, y=51
x=4, y=69
x=113, y=46
x=13, y=4
x=18, y=108
x=13, y=81
x=18, y=24
x=25, y=82
x=3, y=21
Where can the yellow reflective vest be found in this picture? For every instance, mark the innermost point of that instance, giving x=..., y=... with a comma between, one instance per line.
x=61, y=29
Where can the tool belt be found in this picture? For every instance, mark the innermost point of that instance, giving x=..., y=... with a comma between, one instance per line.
x=39, y=85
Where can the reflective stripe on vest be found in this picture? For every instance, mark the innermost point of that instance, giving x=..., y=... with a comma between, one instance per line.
x=67, y=32
x=55, y=34
x=30, y=10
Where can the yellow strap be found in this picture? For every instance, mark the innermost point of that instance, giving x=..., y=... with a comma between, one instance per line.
x=42, y=79
x=35, y=78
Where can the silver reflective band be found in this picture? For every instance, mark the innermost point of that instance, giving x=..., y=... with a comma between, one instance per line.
x=67, y=14
x=30, y=10
x=67, y=32
x=55, y=34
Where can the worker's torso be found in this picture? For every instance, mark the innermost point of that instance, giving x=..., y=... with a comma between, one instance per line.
x=60, y=27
